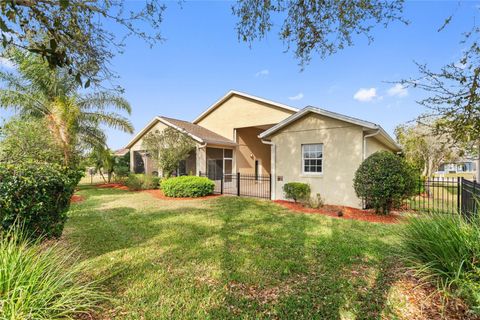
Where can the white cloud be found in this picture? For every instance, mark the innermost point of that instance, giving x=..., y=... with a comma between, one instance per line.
x=6, y=63
x=296, y=97
x=398, y=90
x=262, y=73
x=365, y=95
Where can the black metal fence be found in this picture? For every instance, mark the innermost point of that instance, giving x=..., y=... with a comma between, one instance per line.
x=448, y=195
x=241, y=184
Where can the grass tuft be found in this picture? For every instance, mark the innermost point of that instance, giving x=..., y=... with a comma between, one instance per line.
x=39, y=282
x=445, y=249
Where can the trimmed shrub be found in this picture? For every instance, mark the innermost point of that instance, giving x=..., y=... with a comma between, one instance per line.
x=445, y=249
x=137, y=182
x=150, y=182
x=384, y=180
x=188, y=186
x=297, y=191
x=40, y=282
x=134, y=182
x=36, y=196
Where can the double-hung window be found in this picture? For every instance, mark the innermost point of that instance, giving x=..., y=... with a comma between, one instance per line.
x=312, y=158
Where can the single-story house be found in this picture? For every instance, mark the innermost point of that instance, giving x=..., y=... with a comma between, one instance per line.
x=465, y=165
x=251, y=135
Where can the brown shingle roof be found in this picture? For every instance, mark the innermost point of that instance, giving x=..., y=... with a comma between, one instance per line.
x=120, y=152
x=204, y=134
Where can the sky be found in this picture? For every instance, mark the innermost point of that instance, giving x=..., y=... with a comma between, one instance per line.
x=202, y=59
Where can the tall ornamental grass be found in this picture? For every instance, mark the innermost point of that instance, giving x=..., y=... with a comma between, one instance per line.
x=39, y=282
x=445, y=249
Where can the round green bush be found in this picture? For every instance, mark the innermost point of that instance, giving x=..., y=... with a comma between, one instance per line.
x=384, y=180
x=297, y=191
x=37, y=197
x=187, y=186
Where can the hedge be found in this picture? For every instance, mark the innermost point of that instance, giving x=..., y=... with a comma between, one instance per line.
x=37, y=197
x=187, y=186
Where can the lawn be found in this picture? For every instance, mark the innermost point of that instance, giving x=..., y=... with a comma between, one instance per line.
x=230, y=257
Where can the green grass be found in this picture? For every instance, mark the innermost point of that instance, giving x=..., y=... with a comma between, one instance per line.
x=230, y=257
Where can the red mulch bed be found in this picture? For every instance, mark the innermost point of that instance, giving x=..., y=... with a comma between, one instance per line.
x=76, y=198
x=159, y=194
x=348, y=212
x=112, y=186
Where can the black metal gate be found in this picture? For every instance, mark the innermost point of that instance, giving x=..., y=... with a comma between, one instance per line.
x=241, y=184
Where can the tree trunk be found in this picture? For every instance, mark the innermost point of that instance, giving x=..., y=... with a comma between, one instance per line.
x=103, y=177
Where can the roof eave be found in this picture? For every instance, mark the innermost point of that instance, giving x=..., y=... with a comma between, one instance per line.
x=141, y=133
x=306, y=110
x=167, y=123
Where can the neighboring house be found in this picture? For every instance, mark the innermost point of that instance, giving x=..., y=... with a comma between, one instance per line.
x=247, y=134
x=463, y=166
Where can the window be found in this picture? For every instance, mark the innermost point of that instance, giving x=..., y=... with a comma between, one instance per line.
x=312, y=158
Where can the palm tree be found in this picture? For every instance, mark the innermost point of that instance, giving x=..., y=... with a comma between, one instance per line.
x=74, y=116
x=104, y=162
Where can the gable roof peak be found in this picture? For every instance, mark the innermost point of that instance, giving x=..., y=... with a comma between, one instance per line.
x=232, y=93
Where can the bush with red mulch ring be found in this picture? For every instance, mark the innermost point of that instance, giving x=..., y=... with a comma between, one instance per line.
x=160, y=195
x=348, y=212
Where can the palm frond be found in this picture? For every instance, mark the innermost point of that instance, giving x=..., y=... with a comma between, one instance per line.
x=109, y=119
x=103, y=100
x=91, y=135
x=23, y=102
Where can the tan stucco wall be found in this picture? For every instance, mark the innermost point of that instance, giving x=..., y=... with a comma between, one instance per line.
x=373, y=145
x=342, y=155
x=251, y=148
x=241, y=112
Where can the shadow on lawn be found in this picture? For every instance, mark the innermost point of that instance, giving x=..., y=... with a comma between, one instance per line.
x=326, y=277
x=254, y=259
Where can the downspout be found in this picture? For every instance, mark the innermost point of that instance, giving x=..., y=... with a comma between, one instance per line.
x=365, y=142
x=273, y=161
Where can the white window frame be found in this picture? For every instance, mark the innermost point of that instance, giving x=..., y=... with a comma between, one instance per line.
x=303, y=159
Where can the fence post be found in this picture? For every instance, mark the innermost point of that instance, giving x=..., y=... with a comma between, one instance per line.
x=459, y=192
x=474, y=196
x=238, y=184
x=221, y=183
x=270, y=187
